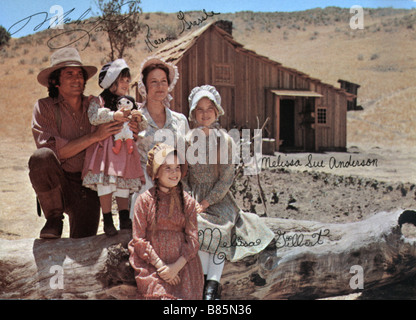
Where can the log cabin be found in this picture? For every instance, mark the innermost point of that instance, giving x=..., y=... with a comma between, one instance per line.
x=304, y=113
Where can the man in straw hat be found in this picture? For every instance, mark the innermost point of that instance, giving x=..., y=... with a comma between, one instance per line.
x=62, y=132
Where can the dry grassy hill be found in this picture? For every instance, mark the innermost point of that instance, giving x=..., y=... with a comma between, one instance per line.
x=381, y=58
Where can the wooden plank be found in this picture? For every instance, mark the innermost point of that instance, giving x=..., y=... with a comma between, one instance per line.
x=332, y=130
x=194, y=69
x=242, y=90
x=277, y=122
x=318, y=104
x=297, y=93
x=179, y=97
x=258, y=96
x=345, y=126
x=200, y=60
x=336, y=124
x=253, y=92
x=207, y=59
x=299, y=142
x=185, y=88
x=269, y=106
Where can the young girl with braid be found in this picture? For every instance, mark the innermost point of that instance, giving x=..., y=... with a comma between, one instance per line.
x=164, y=248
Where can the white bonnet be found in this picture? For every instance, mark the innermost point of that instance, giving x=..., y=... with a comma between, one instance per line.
x=110, y=72
x=206, y=91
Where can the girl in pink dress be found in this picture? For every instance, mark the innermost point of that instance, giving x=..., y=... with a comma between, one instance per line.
x=109, y=173
x=164, y=248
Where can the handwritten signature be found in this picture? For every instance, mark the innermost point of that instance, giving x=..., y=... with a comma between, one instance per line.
x=186, y=25
x=94, y=25
x=300, y=239
x=154, y=44
x=212, y=240
x=46, y=18
x=84, y=28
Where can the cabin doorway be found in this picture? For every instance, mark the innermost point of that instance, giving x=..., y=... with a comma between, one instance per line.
x=287, y=123
x=294, y=119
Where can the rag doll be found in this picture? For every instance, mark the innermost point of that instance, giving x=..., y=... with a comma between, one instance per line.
x=127, y=103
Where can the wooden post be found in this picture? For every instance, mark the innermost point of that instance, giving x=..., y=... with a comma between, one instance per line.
x=277, y=122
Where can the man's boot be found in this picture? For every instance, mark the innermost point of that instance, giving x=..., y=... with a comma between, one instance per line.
x=53, y=208
x=53, y=228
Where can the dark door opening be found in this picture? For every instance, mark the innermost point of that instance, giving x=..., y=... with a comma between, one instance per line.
x=287, y=123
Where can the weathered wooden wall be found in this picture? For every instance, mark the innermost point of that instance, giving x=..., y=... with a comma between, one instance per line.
x=247, y=95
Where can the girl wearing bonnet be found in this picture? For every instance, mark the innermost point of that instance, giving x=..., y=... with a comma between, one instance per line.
x=225, y=231
x=164, y=248
x=109, y=173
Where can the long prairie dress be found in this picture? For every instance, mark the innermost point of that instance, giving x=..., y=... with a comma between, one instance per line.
x=102, y=166
x=224, y=229
x=175, y=234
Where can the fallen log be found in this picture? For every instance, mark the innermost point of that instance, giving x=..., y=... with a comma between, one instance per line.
x=64, y=268
x=316, y=260
x=308, y=260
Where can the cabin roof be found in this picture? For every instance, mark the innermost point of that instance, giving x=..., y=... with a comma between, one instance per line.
x=175, y=50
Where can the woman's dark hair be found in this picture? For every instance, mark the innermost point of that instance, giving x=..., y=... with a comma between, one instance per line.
x=152, y=67
x=53, y=81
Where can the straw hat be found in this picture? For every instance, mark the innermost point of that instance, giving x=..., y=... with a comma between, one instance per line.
x=157, y=156
x=66, y=57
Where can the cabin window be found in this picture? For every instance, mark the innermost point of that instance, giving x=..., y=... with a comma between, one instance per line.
x=322, y=115
x=223, y=74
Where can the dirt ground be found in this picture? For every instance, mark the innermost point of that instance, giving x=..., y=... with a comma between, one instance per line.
x=291, y=190
x=334, y=192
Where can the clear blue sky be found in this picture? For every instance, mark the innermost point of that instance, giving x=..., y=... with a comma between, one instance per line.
x=13, y=11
